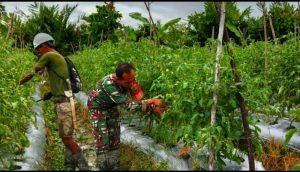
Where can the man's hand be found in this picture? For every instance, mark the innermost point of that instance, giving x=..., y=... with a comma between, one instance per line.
x=161, y=108
x=46, y=96
x=155, y=101
x=158, y=109
x=157, y=105
x=26, y=78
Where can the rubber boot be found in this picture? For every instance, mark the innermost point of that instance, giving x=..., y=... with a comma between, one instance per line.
x=114, y=160
x=80, y=161
x=69, y=162
x=102, y=162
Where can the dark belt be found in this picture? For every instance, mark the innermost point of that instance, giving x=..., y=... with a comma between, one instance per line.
x=62, y=100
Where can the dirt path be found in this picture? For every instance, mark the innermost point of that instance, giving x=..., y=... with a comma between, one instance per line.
x=85, y=137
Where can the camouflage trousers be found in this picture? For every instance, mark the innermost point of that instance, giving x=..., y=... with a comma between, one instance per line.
x=106, y=129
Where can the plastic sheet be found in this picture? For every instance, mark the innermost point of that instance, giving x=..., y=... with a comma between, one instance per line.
x=279, y=130
x=34, y=154
x=146, y=144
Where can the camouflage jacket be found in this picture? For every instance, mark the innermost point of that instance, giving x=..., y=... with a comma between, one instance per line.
x=108, y=95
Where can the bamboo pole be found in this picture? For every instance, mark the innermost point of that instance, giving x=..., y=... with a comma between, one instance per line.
x=265, y=34
x=153, y=28
x=242, y=105
x=211, y=161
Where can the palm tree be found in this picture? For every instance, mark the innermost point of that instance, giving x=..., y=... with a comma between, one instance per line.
x=52, y=21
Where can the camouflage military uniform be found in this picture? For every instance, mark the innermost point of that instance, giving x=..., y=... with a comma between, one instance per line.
x=102, y=104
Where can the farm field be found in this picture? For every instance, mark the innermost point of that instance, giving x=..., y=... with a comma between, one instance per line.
x=263, y=77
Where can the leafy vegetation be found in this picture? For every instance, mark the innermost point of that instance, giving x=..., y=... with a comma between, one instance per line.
x=184, y=78
x=179, y=69
x=105, y=25
x=16, y=101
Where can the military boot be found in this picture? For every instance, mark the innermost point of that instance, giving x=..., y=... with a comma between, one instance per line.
x=114, y=160
x=102, y=162
x=80, y=161
x=69, y=162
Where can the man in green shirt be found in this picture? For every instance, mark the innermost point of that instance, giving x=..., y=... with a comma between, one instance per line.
x=58, y=73
x=109, y=93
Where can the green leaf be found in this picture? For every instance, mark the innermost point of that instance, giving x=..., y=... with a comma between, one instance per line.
x=5, y=130
x=233, y=29
x=185, y=84
x=138, y=16
x=289, y=135
x=195, y=118
x=219, y=129
x=169, y=24
x=14, y=105
x=209, y=103
x=238, y=133
x=232, y=102
x=24, y=141
x=295, y=167
x=280, y=90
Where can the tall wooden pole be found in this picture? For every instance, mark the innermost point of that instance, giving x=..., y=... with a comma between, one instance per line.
x=265, y=33
x=241, y=102
x=152, y=24
x=211, y=161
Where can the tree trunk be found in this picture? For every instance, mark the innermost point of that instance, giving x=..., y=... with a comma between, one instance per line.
x=295, y=29
x=298, y=20
x=247, y=131
x=16, y=41
x=11, y=25
x=73, y=48
x=102, y=36
x=79, y=44
x=265, y=34
x=213, y=32
x=152, y=25
x=272, y=28
x=260, y=36
x=125, y=37
x=211, y=162
x=243, y=41
x=147, y=4
x=23, y=42
x=241, y=102
x=245, y=34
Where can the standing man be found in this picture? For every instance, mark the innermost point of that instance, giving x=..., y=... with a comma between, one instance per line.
x=102, y=103
x=58, y=73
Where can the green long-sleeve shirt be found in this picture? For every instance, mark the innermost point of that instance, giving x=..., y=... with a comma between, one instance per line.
x=56, y=65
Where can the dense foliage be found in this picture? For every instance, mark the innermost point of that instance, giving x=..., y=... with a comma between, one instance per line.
x=180, y=69
x=15, y=102
x=184, y=78
x=104, y=24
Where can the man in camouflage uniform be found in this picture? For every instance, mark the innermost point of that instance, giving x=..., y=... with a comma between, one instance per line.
x=102, y=103
x=57, y=69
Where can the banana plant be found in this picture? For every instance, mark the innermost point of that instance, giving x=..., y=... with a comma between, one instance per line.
x=236, y=20
x=161, y=30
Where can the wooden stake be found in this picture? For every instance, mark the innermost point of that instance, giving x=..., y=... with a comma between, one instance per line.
x=211, y=162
